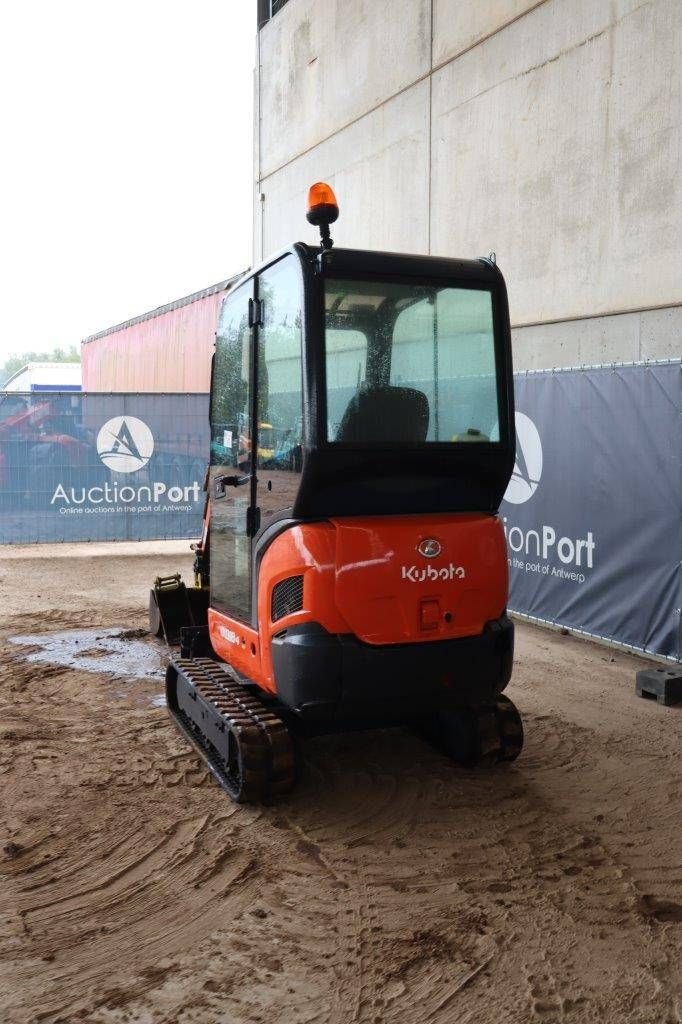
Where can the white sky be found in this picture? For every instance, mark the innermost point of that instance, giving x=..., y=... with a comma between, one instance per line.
x=126, y=168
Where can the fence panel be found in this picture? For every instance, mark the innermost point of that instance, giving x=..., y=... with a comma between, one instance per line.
x=101, y=466
x=593, y=513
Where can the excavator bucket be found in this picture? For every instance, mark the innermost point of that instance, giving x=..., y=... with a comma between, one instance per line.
x=174, y=607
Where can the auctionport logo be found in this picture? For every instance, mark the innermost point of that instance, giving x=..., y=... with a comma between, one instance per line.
x=125, y=444
x=533, y=550
x=528, y=466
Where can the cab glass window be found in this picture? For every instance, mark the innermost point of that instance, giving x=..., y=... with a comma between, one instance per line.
x=280, y=388
x=410, y=363
x=231, y=456
x=346, y=366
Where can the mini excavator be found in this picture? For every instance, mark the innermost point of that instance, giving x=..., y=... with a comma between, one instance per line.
x=352, y=571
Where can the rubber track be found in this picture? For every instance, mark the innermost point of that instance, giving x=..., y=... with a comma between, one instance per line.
x=265, y=746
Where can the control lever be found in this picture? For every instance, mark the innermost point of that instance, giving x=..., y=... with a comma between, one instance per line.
x=221, y=482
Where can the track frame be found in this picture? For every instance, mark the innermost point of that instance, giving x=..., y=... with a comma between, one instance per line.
x=245, y=745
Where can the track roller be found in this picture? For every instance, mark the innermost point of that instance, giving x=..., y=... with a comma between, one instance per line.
x=480, y=736
x=245, y=745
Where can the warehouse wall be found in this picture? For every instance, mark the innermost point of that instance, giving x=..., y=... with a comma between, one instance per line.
x=546, y=131
x=168, y=350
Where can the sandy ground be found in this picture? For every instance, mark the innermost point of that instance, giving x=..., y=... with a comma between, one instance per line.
x=391, y=887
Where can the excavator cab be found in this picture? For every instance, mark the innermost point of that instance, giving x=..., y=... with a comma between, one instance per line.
x=362, y=432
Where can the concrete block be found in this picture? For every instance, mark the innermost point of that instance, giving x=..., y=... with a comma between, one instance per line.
x=603, y=339
x=662, y=685
x=325, y=64
x=661, y=333
x=457, y=26
x=379, y=170
x=554, y=144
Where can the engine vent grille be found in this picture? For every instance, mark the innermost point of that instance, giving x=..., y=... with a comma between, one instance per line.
x=287, y=597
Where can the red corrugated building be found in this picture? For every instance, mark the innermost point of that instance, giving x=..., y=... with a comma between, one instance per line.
x=166, y=350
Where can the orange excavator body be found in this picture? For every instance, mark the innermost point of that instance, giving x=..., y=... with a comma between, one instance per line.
x=358, y=570
x=364, y=577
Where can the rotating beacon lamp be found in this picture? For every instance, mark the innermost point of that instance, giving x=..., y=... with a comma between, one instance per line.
x=323, y=210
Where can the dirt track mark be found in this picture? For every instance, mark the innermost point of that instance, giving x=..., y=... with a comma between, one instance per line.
x=105, y=889
x=390, y=884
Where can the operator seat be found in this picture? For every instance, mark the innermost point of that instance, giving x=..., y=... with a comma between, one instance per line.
x=385, y=414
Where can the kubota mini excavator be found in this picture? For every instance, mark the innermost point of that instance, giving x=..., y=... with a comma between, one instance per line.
x=358, y=570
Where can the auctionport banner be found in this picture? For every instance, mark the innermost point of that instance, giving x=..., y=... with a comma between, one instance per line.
x=593, y=512
x=92, y=467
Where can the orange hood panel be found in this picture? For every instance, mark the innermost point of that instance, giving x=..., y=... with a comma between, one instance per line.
x=389, y=591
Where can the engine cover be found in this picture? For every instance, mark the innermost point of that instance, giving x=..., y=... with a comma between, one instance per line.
x=418, y=578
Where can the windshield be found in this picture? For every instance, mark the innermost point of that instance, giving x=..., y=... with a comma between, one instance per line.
x=409, y=363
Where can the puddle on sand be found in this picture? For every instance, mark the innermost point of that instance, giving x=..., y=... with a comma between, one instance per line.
x=96, y=650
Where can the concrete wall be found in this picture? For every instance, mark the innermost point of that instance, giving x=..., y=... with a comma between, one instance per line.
x=546, y=131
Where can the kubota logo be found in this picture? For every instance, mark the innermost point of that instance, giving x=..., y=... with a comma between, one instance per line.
x=429, y=548
x=432, y=573
x=528, y=466
x=125, y=444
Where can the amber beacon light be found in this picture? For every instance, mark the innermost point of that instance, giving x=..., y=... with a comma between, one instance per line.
x=323, y=210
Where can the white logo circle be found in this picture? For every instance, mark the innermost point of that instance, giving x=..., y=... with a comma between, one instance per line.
x=528, y=466
x=125, y=444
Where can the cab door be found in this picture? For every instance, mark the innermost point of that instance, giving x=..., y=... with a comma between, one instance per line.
x=279, y=423
x=232, y=471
